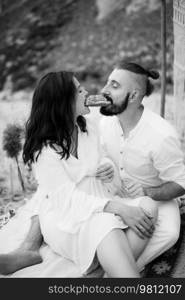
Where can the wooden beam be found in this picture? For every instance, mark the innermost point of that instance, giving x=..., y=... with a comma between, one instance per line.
x=163, y=60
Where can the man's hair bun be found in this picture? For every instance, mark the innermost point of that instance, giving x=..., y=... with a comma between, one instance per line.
x=153, y=74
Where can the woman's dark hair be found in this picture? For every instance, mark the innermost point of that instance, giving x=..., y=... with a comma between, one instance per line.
x=51, y=119
x=135, y=68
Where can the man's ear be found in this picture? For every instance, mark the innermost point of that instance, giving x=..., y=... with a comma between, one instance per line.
x=134, y=96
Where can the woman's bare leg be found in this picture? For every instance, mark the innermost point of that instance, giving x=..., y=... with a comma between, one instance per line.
x=33, y=239
x=137, y=244
x=28, y=252
x=115, y=256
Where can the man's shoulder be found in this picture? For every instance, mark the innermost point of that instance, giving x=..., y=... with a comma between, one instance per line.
x=159, y=125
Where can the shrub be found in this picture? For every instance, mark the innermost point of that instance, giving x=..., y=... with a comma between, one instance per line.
x=12, y=144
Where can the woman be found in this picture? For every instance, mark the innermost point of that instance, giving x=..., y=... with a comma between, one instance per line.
x=76, y=213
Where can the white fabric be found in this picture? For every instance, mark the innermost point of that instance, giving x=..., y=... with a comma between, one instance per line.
x=165, y=235
x=150, y=155
x=70, y=202
x=55, y=265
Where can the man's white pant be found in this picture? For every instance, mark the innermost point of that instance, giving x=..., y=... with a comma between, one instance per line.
x=166, y=232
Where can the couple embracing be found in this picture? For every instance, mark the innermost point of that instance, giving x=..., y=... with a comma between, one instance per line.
x=107, y=193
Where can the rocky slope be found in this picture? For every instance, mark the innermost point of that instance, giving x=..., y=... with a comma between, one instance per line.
x=41, y=35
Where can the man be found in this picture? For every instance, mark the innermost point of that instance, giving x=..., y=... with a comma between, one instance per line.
x=147, y=152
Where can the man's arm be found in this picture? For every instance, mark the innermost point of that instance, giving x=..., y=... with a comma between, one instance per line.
x=165, y=192
x=168, y=161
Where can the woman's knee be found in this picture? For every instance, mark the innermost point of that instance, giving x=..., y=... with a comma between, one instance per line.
x=150, y=207
x=172, y=236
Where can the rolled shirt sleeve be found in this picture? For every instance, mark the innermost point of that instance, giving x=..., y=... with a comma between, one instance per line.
x=168, y=160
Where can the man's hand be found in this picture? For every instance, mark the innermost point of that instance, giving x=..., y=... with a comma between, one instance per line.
x=132, y=188
x=105, y=172
x=138, y=220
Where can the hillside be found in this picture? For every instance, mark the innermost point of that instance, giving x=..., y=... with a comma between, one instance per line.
x=41, y=35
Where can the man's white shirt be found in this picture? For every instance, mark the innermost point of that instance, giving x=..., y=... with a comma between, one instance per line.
x=150, y=155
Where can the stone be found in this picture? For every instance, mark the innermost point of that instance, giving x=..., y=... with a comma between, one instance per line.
x=106, y=7
x=32, y=70
x=40, y=45
x=9, y=40
x=2, y=58
x=9, y=64
x=20, y=41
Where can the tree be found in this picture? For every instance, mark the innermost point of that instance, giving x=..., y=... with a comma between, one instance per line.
x=12, y=137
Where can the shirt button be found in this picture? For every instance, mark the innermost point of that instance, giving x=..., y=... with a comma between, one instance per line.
x=121, y=169
x=121, y=152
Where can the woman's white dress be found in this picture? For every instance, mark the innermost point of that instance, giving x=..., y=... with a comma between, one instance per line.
x=70, y=203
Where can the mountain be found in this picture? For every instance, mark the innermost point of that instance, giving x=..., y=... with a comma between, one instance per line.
x=38, y=36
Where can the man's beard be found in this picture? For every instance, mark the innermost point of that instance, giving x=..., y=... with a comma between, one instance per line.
x=115, y=109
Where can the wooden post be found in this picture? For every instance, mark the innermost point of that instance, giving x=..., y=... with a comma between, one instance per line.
x=179, y=66
x=163, y=50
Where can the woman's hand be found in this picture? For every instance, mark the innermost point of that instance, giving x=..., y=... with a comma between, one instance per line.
x=138, y=220
x=105, y=172
x=133, y=189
